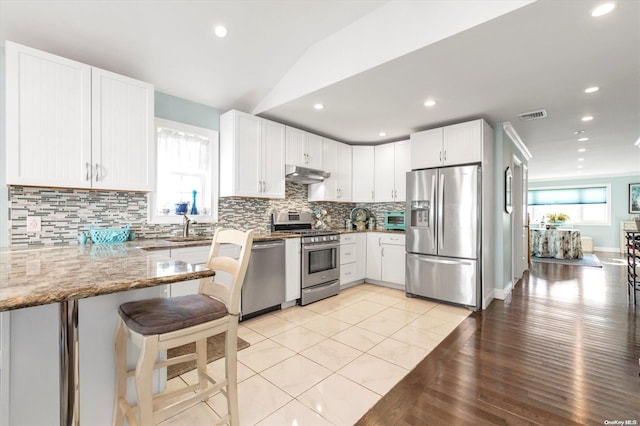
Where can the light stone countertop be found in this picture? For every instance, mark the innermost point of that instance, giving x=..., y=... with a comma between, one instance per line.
x=43, y=275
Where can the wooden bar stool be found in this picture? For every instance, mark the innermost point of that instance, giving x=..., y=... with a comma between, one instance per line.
x=156, y=325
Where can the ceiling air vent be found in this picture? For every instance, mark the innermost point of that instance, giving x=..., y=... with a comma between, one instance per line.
x=533, y=115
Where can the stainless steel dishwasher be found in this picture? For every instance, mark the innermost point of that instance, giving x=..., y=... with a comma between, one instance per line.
x=264, y=284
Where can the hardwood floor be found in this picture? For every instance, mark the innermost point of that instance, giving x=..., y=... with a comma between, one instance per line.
x=563, y=348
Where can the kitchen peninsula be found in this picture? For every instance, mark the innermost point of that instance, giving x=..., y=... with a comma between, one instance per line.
x=89, y=282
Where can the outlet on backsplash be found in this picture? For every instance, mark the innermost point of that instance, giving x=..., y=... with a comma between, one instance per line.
x=34, y=224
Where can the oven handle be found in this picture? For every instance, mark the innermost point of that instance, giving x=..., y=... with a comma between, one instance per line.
x=320, y=246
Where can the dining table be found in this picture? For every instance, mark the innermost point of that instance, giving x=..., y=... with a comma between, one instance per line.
x=557, y=243
x=36, y=276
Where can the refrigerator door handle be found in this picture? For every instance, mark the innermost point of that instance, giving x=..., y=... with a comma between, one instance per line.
x=432, y=210
x=441, y=212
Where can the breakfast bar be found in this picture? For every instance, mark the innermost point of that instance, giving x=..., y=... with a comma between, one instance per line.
x=64, y=275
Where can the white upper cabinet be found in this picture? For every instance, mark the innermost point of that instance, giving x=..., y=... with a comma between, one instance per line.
x=303, y=149
x=344, y=172
x=392, y=162
x=363, y=174
x=75, y=126
x=449, y=145
x=251, y=156
x=122, y=132
x=336, y=159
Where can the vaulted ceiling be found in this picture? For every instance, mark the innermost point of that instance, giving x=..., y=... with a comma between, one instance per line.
x=372, y=64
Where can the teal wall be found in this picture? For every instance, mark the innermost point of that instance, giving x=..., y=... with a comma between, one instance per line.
x=184, y=111
x=505, y=150
x=604, y=236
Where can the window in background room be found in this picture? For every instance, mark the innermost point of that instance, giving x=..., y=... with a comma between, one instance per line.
x=585, y=205
x=187, y=161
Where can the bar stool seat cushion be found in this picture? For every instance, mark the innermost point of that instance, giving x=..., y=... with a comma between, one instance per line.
x=159, y=315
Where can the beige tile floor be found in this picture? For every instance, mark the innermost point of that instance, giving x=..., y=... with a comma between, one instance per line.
x=329, y=362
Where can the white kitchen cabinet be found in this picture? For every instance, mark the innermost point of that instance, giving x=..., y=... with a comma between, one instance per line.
x=392, y=162
x=374, y=256
x=450, y=145
x=353, y=257
x=251, y=156
x=303, y=149
x=363, y=190
x=386, y=258
x=293, y=269
x=393, y=259
x=336, y=159
x=72, y=125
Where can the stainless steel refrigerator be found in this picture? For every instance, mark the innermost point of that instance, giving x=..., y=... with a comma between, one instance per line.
x=443, y=234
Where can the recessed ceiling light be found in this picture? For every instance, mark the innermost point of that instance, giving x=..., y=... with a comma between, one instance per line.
x=318, y=106
x=382, y=134
x=429, y=103
x=220, y=31
x=580, y=166
x=582, y=149
x=580, y=159
x=603, y=9
x=587, y=118
x=591, y=89
x=577, y=132
x=583, y=139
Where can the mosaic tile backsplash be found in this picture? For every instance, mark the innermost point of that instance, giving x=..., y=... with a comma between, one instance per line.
x=65, y=213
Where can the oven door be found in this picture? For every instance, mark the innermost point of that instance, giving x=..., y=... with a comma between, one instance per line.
x=320, y=263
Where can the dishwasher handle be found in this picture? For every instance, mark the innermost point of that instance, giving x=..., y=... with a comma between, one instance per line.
x=271, y=244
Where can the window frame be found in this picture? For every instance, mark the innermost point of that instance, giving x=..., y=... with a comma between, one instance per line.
x=213, y=135
x=593, y=185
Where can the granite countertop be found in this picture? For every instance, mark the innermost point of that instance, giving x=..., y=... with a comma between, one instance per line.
x=39, y=276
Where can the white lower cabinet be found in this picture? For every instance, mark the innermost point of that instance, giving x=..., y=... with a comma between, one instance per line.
x=292, y=265
x=194, y=255
x=386, y=257
x=353, y=257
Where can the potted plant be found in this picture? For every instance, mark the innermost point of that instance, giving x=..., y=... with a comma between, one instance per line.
x=557, y=219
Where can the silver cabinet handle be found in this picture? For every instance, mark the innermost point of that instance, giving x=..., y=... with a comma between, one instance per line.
x=264, y=186
x=440, y=155
x=382, y=252
x=97, y=169
x=88, y=171
x=372, y=197
x=445, y=155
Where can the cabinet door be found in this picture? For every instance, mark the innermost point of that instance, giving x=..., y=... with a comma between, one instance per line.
x=194, y=255
x=313, y=151
x=374, y=256
x=292, y=262
x=384, y=173
x=248, y=173
x=123, y=142
x=361, y=256
x=273, y=147
x=363, y=174
x=393, y=264
x=330, y=164
x=344, y=172
x=463, y=143
x=295, y=146
x=402, y=166
x=426, y=149
x=48, y=119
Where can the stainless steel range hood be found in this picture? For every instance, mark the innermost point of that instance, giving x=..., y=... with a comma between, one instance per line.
x=303, y=175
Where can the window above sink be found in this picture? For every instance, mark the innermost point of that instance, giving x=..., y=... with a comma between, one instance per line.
x=186, y=168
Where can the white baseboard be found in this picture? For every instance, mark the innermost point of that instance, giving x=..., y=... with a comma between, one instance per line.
x=488, y=298
x=607, y=249
x=502, y=293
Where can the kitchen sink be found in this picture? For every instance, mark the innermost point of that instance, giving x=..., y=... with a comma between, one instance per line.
x=187, y=239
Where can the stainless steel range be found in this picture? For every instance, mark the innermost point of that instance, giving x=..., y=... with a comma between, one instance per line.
x=320, y=269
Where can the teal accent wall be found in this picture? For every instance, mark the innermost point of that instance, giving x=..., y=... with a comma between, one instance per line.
x=604, y=236
x=184, y=111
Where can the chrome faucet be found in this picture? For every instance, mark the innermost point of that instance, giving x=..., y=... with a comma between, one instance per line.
x=185, y=225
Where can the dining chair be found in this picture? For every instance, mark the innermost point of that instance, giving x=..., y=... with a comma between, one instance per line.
x=155, y=325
